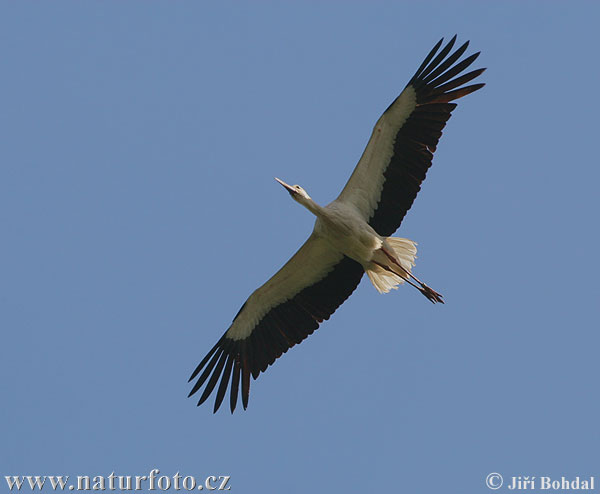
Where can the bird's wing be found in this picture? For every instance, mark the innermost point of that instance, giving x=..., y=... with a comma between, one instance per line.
x=279, y=314
x=389, y=174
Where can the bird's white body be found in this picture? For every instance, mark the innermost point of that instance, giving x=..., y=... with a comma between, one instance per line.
x=347, y=232
x=387, y=261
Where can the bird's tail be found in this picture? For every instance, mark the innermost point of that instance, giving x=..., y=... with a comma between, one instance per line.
x=383, y=272
x=392, y=264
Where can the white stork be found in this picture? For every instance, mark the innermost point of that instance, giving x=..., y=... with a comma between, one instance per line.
x=351, y=235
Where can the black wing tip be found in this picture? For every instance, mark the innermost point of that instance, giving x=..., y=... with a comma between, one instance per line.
x=430, y=64
x=447, y=47
x=472, y=88
x=475, y=55
x=443, y=71
x=218, y=363
x=223, y=363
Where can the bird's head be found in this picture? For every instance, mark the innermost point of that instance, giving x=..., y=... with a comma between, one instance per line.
x=297, y=192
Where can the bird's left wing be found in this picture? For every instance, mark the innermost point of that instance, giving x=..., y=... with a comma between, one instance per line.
x=389, y=174
x=278, y=315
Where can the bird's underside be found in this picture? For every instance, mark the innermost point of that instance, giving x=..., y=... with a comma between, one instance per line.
x=388, y=261
x=328, y=267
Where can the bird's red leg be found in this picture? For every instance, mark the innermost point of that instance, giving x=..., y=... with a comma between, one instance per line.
x=387, y=268
x=430, y=293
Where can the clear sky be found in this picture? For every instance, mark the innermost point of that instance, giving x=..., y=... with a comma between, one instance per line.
x=138, y=211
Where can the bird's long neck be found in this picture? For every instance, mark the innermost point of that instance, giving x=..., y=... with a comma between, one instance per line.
x=312, y=206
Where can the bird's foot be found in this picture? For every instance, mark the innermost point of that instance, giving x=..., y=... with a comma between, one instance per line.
x=431, y=294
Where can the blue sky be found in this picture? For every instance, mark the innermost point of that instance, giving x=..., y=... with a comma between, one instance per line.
x=138, y=209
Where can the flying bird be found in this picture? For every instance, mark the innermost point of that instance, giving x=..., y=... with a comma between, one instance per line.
x=351, y=236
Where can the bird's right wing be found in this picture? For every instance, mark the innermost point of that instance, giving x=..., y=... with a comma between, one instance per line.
x=278, y=315
x=389, y=174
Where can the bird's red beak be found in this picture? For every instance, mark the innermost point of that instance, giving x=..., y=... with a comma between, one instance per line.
x=289, y=188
